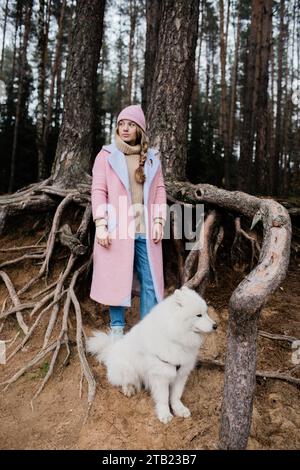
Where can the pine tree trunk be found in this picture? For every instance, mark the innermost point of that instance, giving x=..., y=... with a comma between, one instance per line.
x=197, y=85
x=247, y=126
x=3, y=37
x=133, y=18
x=207, y=80
x=223, y=125
x=153, y=16
x=231, y=124
x=278, y=143
x=58, y=98
x=54, y=74
x=76, y=139
x=10, y=85
x=102, y=112
x=271, y=131
x=286, y=136
x=264, y=46
x=42, y=54
x=22, y=65
x=119, y=84
x=137, y=74
x=168, y=110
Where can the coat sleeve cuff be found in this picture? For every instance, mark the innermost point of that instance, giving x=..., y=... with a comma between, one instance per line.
x=160, y=219
x=101, y=221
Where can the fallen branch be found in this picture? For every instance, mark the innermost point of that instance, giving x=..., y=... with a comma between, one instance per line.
x=265, y=334
x=258, y=373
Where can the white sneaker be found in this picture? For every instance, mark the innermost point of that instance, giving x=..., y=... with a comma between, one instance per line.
x=117, y=332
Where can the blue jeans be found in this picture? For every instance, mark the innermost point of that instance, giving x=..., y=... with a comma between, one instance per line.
x=147, y=295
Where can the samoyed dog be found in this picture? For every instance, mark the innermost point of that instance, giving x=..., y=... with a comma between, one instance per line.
x=159, y=352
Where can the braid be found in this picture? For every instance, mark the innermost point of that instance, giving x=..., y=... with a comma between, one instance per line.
x=140, y=176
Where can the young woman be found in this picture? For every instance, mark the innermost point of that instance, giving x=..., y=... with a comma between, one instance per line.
x=129, y=210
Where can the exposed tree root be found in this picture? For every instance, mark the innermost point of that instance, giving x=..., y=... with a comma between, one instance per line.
x=199, y=279
x=28, y=199
x=179, y=250
x=49, y=298
x=15, y=299
x=34, y=325
x=31, y=363
x=237, y=251
x=81, y=350
x=214, y=251
x=259, y=373
x=21, y=248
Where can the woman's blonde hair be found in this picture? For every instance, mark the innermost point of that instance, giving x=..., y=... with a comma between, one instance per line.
x=142, y=139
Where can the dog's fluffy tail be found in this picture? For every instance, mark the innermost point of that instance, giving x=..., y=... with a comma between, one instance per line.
x=99, y=345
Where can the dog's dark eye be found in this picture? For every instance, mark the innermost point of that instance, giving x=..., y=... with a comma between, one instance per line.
x=200, y=315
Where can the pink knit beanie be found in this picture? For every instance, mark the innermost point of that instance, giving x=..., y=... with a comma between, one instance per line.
x=133, y=113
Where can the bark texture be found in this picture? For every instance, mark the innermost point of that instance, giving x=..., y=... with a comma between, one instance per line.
x=76, y=139
x=168, y=109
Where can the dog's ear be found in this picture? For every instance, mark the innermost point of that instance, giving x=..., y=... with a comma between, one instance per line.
x=178, y=297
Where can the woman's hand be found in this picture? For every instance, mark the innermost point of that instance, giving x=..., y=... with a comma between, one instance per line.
x=157, y=232
x=102, y=235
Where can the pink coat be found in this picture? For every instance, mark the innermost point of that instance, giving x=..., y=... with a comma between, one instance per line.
x=114, y=280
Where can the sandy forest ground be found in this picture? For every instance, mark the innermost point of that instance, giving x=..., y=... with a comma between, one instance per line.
x=118, y=422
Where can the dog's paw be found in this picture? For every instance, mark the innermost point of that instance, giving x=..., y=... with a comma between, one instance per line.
x=180, y=410
x=163, y=414
x=128, y=390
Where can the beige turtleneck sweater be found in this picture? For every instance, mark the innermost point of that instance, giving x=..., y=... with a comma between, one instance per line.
x=132, y=155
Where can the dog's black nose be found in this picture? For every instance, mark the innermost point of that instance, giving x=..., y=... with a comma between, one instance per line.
x=215, y=326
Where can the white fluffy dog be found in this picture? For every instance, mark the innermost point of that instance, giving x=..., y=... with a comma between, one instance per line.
x=159, y=352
